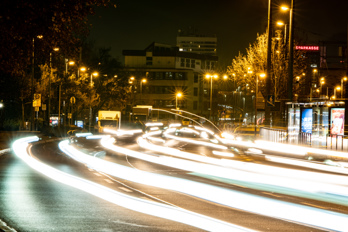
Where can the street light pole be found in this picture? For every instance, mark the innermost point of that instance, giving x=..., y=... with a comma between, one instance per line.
x=343, y=79
x=141, y=87
x=176, y=103
x=211, y=92
x=32, y=88
x=291, y=52
x=268, y=67
x=90, y=103
x=256, y=88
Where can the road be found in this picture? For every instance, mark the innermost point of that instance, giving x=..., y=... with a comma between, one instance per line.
x=33, y=202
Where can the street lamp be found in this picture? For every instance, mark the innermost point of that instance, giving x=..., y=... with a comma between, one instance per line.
x=95, y=74
x=178, y=95
x=144, y=80
x=56, y=49
x=280, y=23
x=337, y=88
x=342, y=89
x=262, y=75
x=32, y=80
x=208, y=76
x=322, y=81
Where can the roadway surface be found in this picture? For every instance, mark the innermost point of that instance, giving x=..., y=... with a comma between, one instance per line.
x=30, y=201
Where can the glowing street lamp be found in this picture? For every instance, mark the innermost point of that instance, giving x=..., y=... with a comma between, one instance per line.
x=322, y=81
x=144, y=80
x=178, y=95
x=337, y=88
x=343, y=79
x=208, y=76
x=95, y=74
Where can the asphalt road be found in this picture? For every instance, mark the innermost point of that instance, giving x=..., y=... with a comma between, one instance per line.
x=30, y=201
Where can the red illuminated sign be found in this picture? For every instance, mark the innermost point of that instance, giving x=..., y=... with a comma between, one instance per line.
x=308, y=48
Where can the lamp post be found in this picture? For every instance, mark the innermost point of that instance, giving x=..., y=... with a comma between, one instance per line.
x=342, y=89
x=262, y=75
x=336, y=88
x=32, y=82
x=178, y=95
x=280, y=23
x=144, y=80
x=208, y=76
x=322, y=81
x=95, y=74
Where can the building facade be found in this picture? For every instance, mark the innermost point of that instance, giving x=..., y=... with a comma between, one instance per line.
x=195, y=43
x=167, y=72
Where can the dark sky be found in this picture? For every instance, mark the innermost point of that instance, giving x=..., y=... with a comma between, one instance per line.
x=134, y=24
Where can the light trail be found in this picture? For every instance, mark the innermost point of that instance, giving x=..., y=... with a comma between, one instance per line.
x=133, y=203
x=255, y=204
x=267, y=179
x=307, y=164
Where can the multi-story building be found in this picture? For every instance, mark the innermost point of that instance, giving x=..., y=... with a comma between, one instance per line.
x=195, y=43
x=167, y=72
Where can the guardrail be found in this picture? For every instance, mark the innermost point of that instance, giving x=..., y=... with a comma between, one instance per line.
x=337, y=142
x=273, y=135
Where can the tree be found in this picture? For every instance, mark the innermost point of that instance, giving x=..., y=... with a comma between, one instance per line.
x=245, y=67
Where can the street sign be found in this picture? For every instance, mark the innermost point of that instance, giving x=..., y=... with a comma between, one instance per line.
x=72, y=100
x=270, y=100
x=44, y=107
x=37, y=100
x=37, y=108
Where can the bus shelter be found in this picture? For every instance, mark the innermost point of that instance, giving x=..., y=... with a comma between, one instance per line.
x=316, y=121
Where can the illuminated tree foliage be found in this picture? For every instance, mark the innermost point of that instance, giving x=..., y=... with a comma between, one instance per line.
x=244, y=67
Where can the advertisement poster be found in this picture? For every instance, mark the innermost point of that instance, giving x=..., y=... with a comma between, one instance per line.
x=306, y=121
x=337, y=121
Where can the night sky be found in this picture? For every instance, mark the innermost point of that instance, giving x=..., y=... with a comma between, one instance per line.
x=134, y=24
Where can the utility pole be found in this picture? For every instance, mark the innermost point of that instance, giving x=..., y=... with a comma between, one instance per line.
x=268, y=71
x=291, y=51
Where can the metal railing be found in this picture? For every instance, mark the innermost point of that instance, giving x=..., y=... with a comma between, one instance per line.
x=305, y=138
x=337, y=142
x=273, y=135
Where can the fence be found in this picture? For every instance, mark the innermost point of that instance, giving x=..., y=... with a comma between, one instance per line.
x=332, y=142
x=337, y=142
x=273, y=135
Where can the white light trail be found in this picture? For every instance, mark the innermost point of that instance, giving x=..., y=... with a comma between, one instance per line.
x=136, y=204
x=223, y=170
x=217, y=146
x=307, y=164
x=247, y=202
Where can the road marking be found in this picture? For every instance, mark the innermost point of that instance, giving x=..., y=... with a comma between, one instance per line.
x=125, y=189
x=313, y=205
x=109, y=181
x=271, y=194
x=97, y=174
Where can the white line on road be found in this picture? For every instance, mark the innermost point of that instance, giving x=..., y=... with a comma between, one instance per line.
x=97, y=174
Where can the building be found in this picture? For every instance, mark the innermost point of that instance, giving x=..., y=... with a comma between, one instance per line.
x=201, y=44
x=167, y=72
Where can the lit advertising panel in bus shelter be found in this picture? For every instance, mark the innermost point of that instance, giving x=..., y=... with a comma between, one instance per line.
x=337, y=121
x=306, y=120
